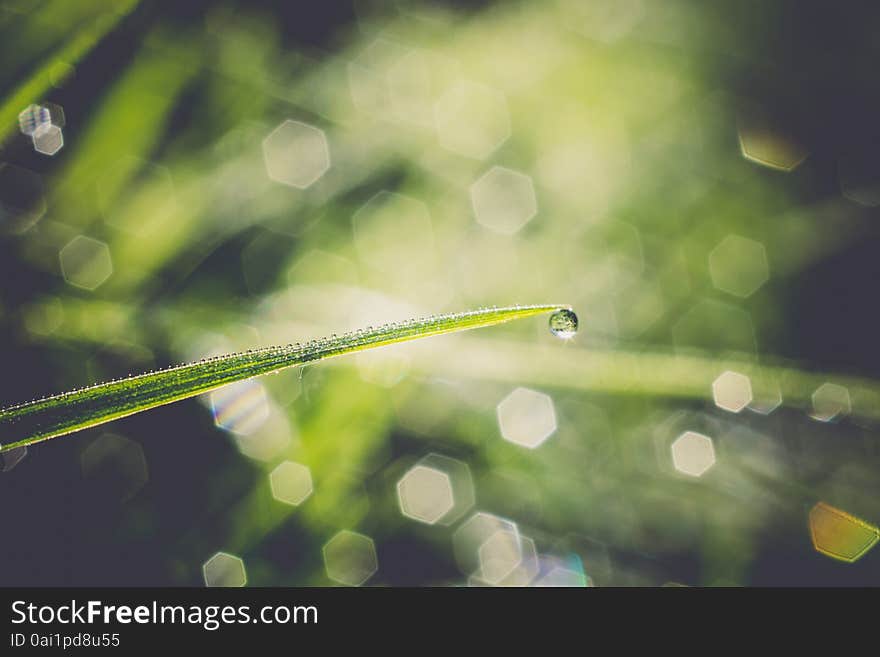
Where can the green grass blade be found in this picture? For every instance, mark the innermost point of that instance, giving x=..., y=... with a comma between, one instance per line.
x=25, y=424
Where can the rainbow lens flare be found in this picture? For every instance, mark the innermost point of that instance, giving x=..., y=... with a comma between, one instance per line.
x=839, y=535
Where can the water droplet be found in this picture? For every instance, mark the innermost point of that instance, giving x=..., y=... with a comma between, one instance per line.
x=564, y=324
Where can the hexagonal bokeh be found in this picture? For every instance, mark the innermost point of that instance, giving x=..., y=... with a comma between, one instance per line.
x=502, y=553
x=504, y=200
x=840, y=535
x=410, y=89
x=732, y=391
x=526, y=417
x=470, y=536
x=47, y=139
x=350, y=558
x=393, y=233
x=738, y=266
x=296, y=154
x=241, y=407
x=669, y=453
x=116, y=466
x=859, y=175
x=56, y=113
x=459, y=474
x=32, y=117
x=267, y=437
x=425, y=494
x=765, y=141
x=44, y=316
x=472, y=119
x=499, y=555
x=291, y=482
x=560, y=576
x=766, y=396
x=85, y=262
x=830, y=401
x=224, y=569
x=693, y=454
x=11, y=458
x=525, y=571
x=368, y=76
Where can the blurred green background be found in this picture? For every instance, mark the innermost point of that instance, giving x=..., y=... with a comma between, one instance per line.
x=699, y=182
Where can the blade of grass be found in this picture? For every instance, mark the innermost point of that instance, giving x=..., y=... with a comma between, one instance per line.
x=50, y=417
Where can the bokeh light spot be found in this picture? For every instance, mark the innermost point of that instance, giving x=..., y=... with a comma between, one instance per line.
x=43, y=317
x=504, y=200
x=528, y=567
x=526, y=417
x=370, y=78
x=56, y=114
x=693, y=454
x=224, y=569
x=410, y=89
x=33, y=117
x=561, y=577
x=840, y=535
x=738, y=266
x=830, y=401
x=732, y=391
x=85, y=262
x=499, y=555
x=425, y=494
x=767, y=142
x=48, y=139
x=241, y=407
x=350, y=558
x=459, y=475
x=296, y=154
x=291, y=482
x=766, y=396
x=470, y=536
x=267, y=436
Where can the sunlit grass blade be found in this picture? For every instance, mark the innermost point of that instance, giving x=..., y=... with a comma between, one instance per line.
x=58, y=415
